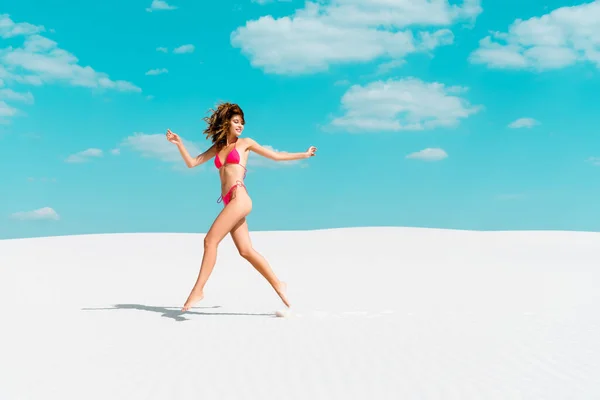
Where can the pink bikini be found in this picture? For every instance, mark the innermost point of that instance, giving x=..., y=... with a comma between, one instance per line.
x=232, y=158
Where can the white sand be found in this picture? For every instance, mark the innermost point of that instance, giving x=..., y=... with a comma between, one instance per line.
x=379, y=313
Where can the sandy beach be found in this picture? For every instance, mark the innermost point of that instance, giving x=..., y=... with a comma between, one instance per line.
x=377, y=313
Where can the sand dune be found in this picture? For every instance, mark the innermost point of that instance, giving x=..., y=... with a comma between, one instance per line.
x=378, y=313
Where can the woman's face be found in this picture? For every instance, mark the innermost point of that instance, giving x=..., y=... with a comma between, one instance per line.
x=236, y=125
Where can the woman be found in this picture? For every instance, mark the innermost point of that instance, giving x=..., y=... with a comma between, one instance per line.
x=225, y=125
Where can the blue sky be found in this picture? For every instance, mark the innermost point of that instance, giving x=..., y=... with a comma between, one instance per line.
x=470, y=115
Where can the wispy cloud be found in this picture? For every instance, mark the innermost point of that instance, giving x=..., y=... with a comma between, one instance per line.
x=9, y=29
x=263, y=2
x=83, y=156
x=594, y=160
x=9, y=95
x=254, y=160
x=405, y=104
x=183, y=49
x=45, y=213
x=186, y=48
x=563, y=37
x=349, y=31
x=157, y=71
x=389, y=66
x=158, y=147
x=6, y=110
x=160, y=5
x=428, y=154
x=40, y=61
x=523, y=123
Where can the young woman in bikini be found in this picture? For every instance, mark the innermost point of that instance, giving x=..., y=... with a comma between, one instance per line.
x=225, y=125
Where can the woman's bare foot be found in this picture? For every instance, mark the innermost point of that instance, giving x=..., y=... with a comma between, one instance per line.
x=192, y=299
x=281, y=291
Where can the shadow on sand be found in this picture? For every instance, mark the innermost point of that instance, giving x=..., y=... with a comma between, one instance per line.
x=175, y=313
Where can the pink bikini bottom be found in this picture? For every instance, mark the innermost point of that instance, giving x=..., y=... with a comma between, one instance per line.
x=227, y=198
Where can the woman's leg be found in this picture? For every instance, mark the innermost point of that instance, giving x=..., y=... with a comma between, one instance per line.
x=238, y=208
x=241, y=238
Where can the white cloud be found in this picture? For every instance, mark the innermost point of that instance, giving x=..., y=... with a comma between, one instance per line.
x=563, y=37
x=429, y=154
x=38, y=61
x=6, y=110
x=347, y=31
x=115, y=152
x=157, y=146
x=523, y=123
x=186, y=48
x=594, y=160
x=405, y=104
x=158, y=5
x=84, y=156
x=45, y=213
x=254, y=160
x=9, y=29
x=157, y=71
x=9, y=94
x=389, y=66
x=263, y=2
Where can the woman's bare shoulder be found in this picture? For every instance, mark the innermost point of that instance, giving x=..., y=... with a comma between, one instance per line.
x=246, y=143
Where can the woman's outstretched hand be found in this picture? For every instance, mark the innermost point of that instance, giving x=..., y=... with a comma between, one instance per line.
x=173, y=137
x=311, y=151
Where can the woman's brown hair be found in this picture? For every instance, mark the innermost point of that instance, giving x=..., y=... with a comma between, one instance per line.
x=218, y=123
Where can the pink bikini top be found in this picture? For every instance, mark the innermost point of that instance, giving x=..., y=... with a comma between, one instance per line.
x=232, y=158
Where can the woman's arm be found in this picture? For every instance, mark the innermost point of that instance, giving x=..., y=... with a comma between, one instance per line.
x=279, y=155
x=190, y=161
